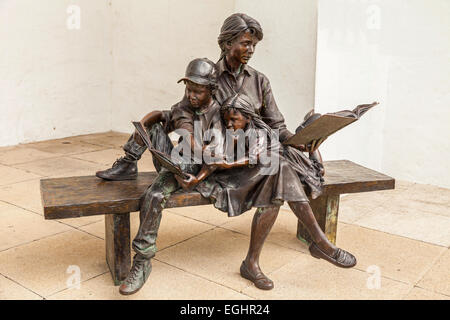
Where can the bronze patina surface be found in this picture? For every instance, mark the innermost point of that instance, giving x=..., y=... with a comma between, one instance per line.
x=83, y=196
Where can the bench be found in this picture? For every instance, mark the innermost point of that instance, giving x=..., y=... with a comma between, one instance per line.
x=88, y=195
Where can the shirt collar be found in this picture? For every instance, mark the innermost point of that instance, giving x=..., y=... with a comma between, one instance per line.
x=222, y=67
x=205, y=110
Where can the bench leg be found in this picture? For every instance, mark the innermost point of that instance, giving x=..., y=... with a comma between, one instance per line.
x=325, y=209
x=117, y=237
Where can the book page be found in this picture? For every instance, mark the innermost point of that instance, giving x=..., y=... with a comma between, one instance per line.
x=323, y=127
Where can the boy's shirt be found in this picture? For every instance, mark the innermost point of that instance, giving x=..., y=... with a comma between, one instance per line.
x=183, y=116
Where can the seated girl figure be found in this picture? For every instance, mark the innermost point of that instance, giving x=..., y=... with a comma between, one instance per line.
x=237, y=186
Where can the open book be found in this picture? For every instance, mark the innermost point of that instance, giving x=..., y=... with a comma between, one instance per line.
x=162, y=158
x=318, y=126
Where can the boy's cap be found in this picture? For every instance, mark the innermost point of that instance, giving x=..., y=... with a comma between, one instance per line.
x=201, y=71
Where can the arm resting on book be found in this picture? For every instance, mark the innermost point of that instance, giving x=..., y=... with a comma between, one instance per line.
x=147, y=121
x=151, y=118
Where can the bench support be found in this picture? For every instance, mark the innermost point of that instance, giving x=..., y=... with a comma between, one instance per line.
x=117, y=238
x=325, y=209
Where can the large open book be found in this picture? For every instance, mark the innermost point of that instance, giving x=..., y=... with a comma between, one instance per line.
x=162, y=158
x=318, y=126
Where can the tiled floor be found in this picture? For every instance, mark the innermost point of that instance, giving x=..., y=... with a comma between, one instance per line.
x=401, y=238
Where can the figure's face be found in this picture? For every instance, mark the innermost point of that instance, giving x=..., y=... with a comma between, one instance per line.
x=199, y=96
x=242, y=48
x=234, y=120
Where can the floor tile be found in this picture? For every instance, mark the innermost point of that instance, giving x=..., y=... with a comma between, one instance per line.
x=13, y=175
x=165, y=283
x=61, y=167
x=43, y=266
x=82, y=221
x=437, y=279
x=18, y=226
x=403, y=184
x=106, y=139
x=396, y=257
x=414, y=224
x=9, y=148
x=145, y=164
x=22, y=154
x=206, y=213
x=420, y=202
x=372, y=198
x=9, y=290
x=422, y=294
x=106, y=159
x=217, y=255
x=64, y=146
x=25, y=194
x=307, y=278
x=173, y=229
x=103, y=157
x=284, y=230
x=356, y=205
x=427, y=198
x=351, y=211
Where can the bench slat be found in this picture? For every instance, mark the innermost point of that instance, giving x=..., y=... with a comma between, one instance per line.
x=88, y=195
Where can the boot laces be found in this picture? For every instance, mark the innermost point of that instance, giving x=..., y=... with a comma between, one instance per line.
x=117, y=162
x=135, y=270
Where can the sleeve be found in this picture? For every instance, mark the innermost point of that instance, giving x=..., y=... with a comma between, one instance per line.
x=166, y=116
x=270, y=113
x=181, y=118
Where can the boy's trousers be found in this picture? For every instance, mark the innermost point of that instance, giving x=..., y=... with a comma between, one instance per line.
x=155, y=197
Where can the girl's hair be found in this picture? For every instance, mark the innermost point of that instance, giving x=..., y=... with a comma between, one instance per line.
x=234, y=26
x=242, y=103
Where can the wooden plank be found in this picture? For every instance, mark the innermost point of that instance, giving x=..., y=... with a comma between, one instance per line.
x=325, y=210
x=117, y=240
x=344, y=176
x=88, y=195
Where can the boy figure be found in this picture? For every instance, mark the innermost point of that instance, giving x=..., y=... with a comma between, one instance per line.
x=197, y=106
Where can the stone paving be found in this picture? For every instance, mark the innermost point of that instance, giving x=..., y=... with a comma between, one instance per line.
x=400, y=237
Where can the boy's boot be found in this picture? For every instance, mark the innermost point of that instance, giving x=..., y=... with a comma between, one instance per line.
x=125, y=168
x=137, y=276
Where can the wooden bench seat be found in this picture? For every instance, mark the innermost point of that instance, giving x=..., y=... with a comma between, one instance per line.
x=88, y=195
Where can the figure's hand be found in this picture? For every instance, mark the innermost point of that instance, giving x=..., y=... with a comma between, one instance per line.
x=188, y=183
x=300, y=147
x=223, y=164
x=310, y=147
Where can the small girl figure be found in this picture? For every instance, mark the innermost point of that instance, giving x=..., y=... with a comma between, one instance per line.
x=237, y=185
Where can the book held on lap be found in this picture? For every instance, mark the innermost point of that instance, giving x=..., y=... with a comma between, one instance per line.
x=162, y=158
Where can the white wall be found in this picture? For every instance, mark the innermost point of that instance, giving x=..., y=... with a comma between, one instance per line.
x=153, y=43
x=125, y=60
x=54, y=82
x=397, y=53
x=287, y=53
x=127, y=56
x=168, y=34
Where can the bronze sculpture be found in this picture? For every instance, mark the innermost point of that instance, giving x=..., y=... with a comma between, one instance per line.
x=200, y=84
x=299, y=174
